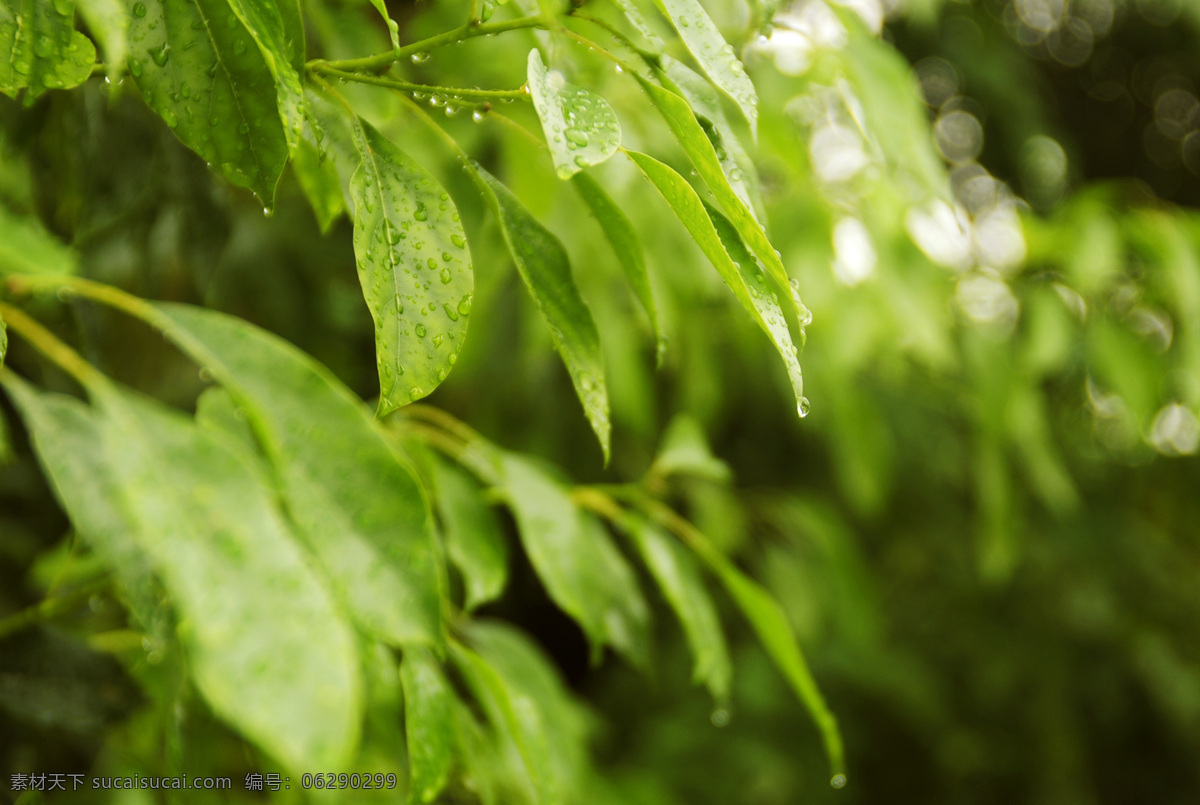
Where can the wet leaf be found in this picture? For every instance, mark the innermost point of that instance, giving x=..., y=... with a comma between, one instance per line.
x=414, y=267
x=542, y=262
x=319, y=180
x=628, y=248
x=715, y=56
x=678, y=575
x=393, y=28
x=278, y=31
x=429, y=724
x=576, y=560
x=200, y=67
x=355, y=502
x=581, y=128
x=472, y=532
x=719, y=241
x=43, y=51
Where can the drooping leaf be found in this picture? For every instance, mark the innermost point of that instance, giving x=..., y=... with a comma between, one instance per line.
x=318, y=179
x=715, y=56
x=429, y=724
x=355, y=502
x=472, y=533
x=581, y=128
x=542, y=262
x=684, y=451
x=66, y=438
x=717, y=239
x=678, y=575
x=108, y=20
x=201, y=69
x=639, y=23
x=624, y=241
x=576, y=560
x=414, y=267
x=700, y=151
x=278, y=31
x=42, y=50
x=393, y=28
x=27, y=248
x=739, y=169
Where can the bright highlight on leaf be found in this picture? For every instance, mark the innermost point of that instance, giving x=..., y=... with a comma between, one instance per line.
x=580, y=127
x=414, y=267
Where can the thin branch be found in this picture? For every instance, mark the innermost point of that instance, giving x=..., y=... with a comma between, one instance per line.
x=456, y=93
x=52, y=607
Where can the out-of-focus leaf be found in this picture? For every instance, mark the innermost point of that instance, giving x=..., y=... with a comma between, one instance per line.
x=575, y=558
x=715, y=56
x=700, y=151
x=677, y=573
x=43, y=51
x=27, y=248
x=634, y=15
x=108, y=20
x=543, y=265
x=414, y=267
x=523, y=696
x=684, y=451
x=739, y=169
x=213, y=86
x=429, y=724
x=3, y=341
x=720, y=243
x=356, y=503
x=318, y=179
x=215, y=409
x=628, y=248
x=581, y=128
x=472, y=532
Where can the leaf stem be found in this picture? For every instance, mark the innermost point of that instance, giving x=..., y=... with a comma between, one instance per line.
x=469, y=30
x=49, y=345
x=466, y=93
x=51, y=607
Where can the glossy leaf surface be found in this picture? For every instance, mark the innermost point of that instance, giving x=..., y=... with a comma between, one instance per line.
x=42, y=50
x=414, y=267
x=581, y=128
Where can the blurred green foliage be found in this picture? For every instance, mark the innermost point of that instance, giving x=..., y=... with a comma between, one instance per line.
x=985, y=534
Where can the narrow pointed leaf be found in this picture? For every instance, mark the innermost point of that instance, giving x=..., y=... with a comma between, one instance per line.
x=628, y=248
x=278, y=32
x=581, y=128
x=714, y=54
x=318, y=179
x=700, y=151
x=27, y=248
x=472, y=532
x=542, y=262
x=639, y=23
x=717, y=239
x=40, y=48
x=677, y=573
x=393, y=28
x=3, y=341
x=429, y=724
x=685, y=451
x=199, y=67
x=414, y=267
x=108, y=20
x=576, y=560
x=356, y=504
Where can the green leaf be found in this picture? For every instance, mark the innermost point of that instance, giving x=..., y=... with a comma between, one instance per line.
x=429, y=724
x=3, y=341
x=628, y=248
x=677, y=573
x=639, y=23
x=355, y=502
x=108, y=21
x=267, y=646
x=576, y=560
x=771, y=625
x=201, y=69
x=414, y=267
x=393, y=28
x=472, y=532
x=42, y=49
x=704, y=158
x=523, y=697
x=739, y=169
x=66, y=438
x=717, y=239
x=27, y=248
x=542, y=262
x=581, y=128
x=684, y=451
x=714, y=54
x=278, y=31
x=318, y=179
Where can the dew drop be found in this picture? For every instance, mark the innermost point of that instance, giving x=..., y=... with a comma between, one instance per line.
x=450, y=311
x=135, y=67
x=139, y=9
x=446, y=276
x=458, y=240
x=464, y=305
x=421, y=214
x=421, y=331
x=838, y=781
x=720, y=717
x=160, y=54
x=803, y=407
x=477, y=116
x=419, y=57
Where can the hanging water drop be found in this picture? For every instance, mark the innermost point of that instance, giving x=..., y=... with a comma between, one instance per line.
x=803, y=407
x=838, y=781
x=419, y=57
